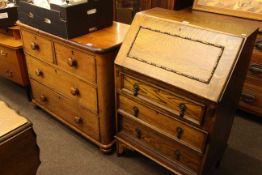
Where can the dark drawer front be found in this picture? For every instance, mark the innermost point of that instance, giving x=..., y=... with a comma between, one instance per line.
x=181, y=107
x=180, y=131
x=169, y=148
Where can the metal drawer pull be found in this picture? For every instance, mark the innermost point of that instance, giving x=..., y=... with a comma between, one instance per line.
x=74, y=91
x=72, y=62
x=135, y=111
x=38, y=72
x=179, y=132
x=178, y=154
x=182, y=107
x=78, y=120
x=248, y=98
x=135, y=89
x=43, y=98
x=34, y=46
x=259, y=45
x=256, y=69
x=138, y=133
x=2, y=53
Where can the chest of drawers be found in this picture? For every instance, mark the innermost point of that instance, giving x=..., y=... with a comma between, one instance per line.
x=178, y=80
x=19, y=153
x=12, y=61
x=73, y=79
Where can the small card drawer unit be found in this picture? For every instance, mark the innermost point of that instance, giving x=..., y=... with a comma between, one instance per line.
x=176, y=105
x=73, y=81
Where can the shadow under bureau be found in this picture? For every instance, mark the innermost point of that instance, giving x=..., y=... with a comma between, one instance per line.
x=73, y=79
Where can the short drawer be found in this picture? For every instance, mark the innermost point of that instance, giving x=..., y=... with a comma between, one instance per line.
x=66, y=110
x=182, y=107
x=74, y=61
x=169, y=148
x=181, y=132
x=64, y=83
x=37, y=46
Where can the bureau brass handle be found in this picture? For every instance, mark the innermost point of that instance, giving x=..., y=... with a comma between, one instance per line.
x=9, y=73
x=138, y=133
x=34, y=46
x=255, y=68
x=2, y=53
x=179, y=132
x=43, y=98
x=259, y=45
x=248, y=98
x=178, y=154
x=74, y=91
x=38, y=72
x=78, y=120
x=135, y=89
x=182, y=107
x=135, y=111
x=72, y=62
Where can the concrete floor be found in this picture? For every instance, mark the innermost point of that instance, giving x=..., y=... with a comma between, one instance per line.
x=63, y=152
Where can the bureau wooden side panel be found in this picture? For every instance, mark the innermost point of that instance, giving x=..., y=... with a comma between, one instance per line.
x=72, y=79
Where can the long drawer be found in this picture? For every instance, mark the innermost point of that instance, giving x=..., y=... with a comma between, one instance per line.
x=180, y=131
x=181, y=107
x=169, y=148
x=62, y=82
x=67, y=111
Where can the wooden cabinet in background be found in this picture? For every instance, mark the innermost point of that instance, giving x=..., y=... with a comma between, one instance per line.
x=178, y=85
x=73, y=79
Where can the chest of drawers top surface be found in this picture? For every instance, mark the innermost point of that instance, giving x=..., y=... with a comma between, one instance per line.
x=184, y=54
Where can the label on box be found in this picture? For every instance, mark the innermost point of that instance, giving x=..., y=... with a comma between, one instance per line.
x=3, y=15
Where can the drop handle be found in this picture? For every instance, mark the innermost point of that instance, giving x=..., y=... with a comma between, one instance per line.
x=179, y=132
x=74, y=91
x=259, y=45
x=72, y=62
x=135, y=111
x=248, y=98
x=78, y=120
x=38, y=72
x=135, y=89
x=43, y=98
x=178, y=154
x=182, y=109
x=255, y=69
x=34, y=46
x=138, y=133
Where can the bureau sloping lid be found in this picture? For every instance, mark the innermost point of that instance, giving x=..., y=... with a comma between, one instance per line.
x=9, y=119
x=192, y=58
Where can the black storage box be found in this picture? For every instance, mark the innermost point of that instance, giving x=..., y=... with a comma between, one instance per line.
x=8, y=16
x=70, y=20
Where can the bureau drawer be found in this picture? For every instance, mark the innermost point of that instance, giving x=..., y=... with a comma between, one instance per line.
x=181, y=132
x=67, y=111
x=62, y=82
x=79, y=63
x=251, y=97
x=9, y=65
x=181, y=107
x=169, y=148
x=37, y=46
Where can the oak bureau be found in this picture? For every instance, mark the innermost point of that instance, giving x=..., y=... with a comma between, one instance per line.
x=73, y=79
x=178, y=78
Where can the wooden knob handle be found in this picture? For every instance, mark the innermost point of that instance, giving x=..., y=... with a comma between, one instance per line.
x=182, y=107
x=38, y=72
x=34, y=46
x=43, y=98
x=135, y=111
x=74, y=91
x=259, y=45
x=135, y=89
x=72, y=62
x=138, y=133
x=179, y=132
x=9, y=73
x=78, y=120
x=178, y=154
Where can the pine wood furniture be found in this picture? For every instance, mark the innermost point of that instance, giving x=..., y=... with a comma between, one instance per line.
x=12, y=61
x=73, y=79
x=178, y=78
x=19, y=153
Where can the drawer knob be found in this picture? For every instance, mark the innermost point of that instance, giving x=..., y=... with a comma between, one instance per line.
x=9, y=73
x=179, y=132
x=255, y=69
x=74, y=91
x=135, y=111
x=43, y=98
x=72, y=62
x=34, y=46
x=38, y=72
x=138, y=133
x=135, y=89
x=2, y=53
x=178, y=154
x=182, y=107
x=78, y=120
x=259, y=45
x=248, y=98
